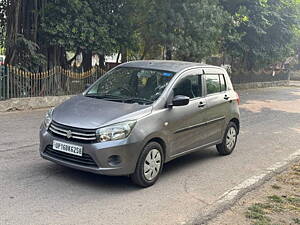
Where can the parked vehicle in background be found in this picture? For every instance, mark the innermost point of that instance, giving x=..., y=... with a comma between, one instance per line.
x=141, y=115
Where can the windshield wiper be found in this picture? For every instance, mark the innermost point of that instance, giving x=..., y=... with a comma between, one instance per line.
x=139, y=100
x=120, y=99
x=106, y=96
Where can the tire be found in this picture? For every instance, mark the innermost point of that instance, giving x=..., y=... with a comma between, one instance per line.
x=152, y=155
x=229, y=140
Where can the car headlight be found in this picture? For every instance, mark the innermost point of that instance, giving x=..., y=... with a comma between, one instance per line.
x=48, y=118
x=115, y=132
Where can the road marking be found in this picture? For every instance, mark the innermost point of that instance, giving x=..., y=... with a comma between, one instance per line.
x=229, y=198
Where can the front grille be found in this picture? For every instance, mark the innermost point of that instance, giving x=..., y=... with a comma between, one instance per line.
x=84, y=160
x=72, y=133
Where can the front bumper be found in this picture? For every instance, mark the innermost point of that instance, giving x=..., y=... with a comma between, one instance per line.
x=128, y=151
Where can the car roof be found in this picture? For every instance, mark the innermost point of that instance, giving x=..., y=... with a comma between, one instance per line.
x=164, y=65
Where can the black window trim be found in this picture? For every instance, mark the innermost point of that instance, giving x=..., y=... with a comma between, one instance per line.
x=225, y=82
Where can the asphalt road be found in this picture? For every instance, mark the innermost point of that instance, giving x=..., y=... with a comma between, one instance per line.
x=35, y=191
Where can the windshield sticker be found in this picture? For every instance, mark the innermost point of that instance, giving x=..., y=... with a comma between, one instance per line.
x=167, y=74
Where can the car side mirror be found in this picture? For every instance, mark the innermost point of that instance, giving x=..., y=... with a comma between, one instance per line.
x=180, y=100
x=87, y=86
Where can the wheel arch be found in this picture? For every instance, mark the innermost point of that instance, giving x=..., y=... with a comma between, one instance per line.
x=162, y=143
x=237, y=123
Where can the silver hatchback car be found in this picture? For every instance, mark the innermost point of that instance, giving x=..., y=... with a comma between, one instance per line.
x=141, y=115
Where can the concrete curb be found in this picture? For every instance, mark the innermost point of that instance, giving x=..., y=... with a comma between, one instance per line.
x=294, y=83
x=229, y=198
x=15, y=104
x=255, y=85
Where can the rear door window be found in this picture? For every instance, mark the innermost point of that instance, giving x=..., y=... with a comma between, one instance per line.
x=212, y=84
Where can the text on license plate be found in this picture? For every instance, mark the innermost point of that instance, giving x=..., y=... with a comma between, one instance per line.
x=67, y=148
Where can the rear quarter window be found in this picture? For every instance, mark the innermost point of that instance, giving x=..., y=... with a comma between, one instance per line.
x=215, y=83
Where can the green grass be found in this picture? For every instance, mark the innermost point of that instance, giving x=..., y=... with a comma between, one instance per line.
x=257, y=213
x=276, y=199
x=270, y=210
x=294, y=200
x=296, y=220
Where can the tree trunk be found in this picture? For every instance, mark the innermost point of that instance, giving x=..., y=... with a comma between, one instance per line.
x=23, y=18
x=56, y=57
x=168, y=53
x=118, y=57
x=87, y=60
x=102, y=61
x=35, y=22
x=13, y=12
x=51, y=55
x=124, y=55
x=145, y=51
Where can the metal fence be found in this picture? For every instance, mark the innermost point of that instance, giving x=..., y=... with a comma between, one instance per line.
x=15, y=83
x=4, y=91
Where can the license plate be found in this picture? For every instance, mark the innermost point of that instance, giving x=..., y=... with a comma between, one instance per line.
x=67, y=148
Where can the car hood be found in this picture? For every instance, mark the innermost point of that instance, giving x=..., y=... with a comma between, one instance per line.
x=91, y=113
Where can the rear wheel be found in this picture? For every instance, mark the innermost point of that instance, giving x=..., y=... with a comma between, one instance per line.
x=229, y=140
x=149, y=165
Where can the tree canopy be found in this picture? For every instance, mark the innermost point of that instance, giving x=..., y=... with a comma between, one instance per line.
x=250, y=34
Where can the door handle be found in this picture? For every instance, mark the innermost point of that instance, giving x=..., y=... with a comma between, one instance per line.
x=202, y=104
x=226, y=97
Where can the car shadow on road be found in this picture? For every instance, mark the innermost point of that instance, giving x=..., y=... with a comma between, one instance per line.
x=188, y=161
x=90, y=181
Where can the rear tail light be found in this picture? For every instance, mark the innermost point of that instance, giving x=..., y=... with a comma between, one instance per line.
x=238, y=98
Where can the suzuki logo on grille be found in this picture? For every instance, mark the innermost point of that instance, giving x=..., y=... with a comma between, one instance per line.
x=69, y=134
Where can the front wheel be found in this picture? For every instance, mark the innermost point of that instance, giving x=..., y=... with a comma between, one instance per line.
x=229, y=140
x=149, y=165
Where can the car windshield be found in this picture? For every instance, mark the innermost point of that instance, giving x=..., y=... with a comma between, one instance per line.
x=131, y=85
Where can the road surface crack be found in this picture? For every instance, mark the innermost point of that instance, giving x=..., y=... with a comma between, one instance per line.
x=18, y=148
x=192, y=195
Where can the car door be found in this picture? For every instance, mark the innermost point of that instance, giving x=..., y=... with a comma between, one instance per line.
x=186, y=123
x=217, y=102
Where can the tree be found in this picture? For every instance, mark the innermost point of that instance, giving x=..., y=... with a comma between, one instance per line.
x=252, y=33
x=123, y=25
x=79, y=26
x=201, y=37
x=265, y=29
x=187, y=30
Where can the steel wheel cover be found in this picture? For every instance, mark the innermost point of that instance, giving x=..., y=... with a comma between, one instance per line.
x=152, y=164
x=231, y=138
